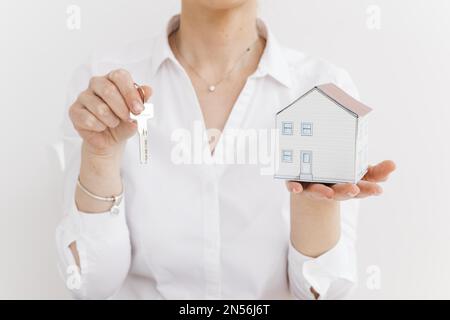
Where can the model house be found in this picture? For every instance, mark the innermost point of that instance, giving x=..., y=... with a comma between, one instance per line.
x=323, y=137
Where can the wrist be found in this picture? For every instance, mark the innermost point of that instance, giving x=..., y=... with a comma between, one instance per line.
x=102, y=162
x=315, y=206
x=109, y=154
x=101, y=172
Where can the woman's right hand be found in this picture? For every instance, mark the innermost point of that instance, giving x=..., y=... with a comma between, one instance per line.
x=101, y=113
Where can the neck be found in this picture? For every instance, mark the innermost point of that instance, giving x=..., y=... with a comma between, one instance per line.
x=215, y=37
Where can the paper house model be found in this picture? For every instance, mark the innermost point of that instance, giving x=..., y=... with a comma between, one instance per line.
x=323, y=137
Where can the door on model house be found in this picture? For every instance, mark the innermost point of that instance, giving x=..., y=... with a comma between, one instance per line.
x=306, y=165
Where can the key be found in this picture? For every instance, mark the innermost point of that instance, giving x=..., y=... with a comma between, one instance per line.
x=142, y=124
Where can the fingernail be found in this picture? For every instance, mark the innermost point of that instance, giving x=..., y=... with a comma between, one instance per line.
x=351, y=194
x=137, y=107
x=296, y=190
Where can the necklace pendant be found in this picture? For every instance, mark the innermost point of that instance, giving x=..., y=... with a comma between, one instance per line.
x=212, y=88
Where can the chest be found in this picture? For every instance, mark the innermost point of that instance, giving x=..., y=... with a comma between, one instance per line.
x=217, y=105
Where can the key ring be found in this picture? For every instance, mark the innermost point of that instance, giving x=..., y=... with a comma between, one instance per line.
x=141, y=91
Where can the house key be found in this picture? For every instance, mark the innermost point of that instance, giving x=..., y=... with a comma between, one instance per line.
x=142, y=131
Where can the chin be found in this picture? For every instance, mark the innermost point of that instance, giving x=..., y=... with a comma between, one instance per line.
x=220, y=4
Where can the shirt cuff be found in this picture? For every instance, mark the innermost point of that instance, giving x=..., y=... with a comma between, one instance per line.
x=339, y=263
x=81, y=227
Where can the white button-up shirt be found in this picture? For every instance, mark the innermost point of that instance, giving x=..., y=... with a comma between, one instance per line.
x=194, y=225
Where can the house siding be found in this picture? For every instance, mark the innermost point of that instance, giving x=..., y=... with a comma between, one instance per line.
x=362, y=146
x=332, y=143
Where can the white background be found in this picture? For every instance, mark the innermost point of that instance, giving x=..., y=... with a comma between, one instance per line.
x=402, y=71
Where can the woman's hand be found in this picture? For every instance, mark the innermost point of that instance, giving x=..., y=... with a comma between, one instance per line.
x=368, y=186
x=101, y=113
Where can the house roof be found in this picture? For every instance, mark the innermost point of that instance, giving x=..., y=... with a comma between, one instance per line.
x=344, y=99
x=340, y=97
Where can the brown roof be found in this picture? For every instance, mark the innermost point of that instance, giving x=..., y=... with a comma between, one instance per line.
x=344, y=99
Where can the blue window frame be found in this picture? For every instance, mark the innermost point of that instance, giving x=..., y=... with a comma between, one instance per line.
x=288, y=128
x=286, y=156
x=306, y=129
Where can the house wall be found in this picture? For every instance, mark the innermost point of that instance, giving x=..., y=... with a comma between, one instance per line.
x=332, y=142
x=362, y=147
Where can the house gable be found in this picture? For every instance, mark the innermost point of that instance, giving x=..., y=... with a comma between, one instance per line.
x=338, y=96
x=315, y=99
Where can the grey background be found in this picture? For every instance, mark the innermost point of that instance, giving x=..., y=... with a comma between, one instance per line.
x=402, y=70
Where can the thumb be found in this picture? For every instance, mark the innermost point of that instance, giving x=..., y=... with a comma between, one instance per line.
x=146, y=91
x=127, y=129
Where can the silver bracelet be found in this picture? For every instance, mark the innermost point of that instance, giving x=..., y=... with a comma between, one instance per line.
x=116, y=200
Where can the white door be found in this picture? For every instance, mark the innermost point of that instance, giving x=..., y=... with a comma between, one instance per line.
x=306, y=165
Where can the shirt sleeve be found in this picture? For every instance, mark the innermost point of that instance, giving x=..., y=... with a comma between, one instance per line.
x=333, y=274
x=102, y=239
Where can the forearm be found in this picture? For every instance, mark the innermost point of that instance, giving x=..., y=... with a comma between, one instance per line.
x=315, y=224
x=100, y=174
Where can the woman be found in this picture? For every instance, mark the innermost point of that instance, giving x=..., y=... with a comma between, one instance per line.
x=199, y=227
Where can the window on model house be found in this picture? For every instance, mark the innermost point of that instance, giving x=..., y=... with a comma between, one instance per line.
x=286, y=156
x=287, y=128
x=306, y=129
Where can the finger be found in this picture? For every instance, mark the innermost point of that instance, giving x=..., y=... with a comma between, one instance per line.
x=83, y=119
x=319, y=191
x=99, y=109
x=110, y=94
x=125, y=130
x=368, y=189
x=294, y=186
x=345, y=191
x=379, y=172
x=124, y=82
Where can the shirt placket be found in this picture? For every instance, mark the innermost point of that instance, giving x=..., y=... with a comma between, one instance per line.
x=212, y=226
x=211, y=231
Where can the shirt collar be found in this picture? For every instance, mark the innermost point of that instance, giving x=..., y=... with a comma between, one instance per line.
x=273, y=61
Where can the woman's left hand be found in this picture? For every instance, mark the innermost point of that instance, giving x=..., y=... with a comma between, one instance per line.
x=368, y=186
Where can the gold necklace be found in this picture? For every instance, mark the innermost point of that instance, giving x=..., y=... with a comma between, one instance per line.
x=212, y=86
